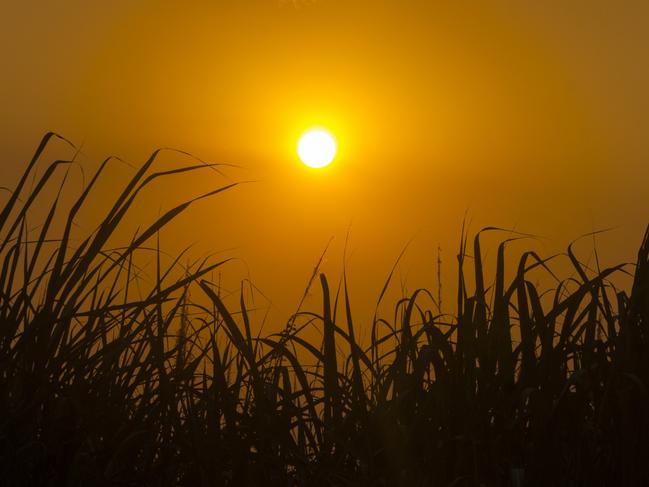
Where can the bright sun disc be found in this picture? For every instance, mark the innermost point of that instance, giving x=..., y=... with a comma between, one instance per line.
x=316, y=148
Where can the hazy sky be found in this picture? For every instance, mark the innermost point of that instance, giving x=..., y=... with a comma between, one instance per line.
x=533, y=115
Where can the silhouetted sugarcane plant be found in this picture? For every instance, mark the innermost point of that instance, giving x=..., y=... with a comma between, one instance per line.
x=517, y=387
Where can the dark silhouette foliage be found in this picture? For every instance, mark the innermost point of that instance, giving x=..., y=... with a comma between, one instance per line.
x=102, y=385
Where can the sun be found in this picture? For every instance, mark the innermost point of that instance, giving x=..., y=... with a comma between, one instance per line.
x=316, y=148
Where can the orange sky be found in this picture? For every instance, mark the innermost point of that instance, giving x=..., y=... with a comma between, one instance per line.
x=531, y=115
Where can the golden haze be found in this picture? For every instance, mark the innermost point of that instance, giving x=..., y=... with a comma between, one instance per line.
x=524, y=114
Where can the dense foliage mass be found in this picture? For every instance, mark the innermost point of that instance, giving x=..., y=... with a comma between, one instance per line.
x=100, y=387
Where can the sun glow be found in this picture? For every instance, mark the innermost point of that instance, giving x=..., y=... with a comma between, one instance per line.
x=316, y=148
